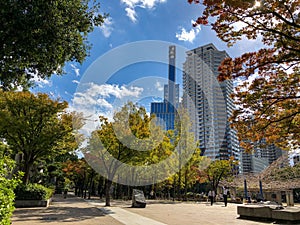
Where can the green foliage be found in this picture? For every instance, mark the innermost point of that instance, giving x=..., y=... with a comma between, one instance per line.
x=33, y=192
x=190, y=194
x=38, y=37
x=218, y=170
x=187, y=153
x=7, y=186
x=7, y=198
x=36, y=126
x=130, y=130
x=131, y=138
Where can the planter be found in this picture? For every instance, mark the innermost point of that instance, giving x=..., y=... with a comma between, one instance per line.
x=32, y=203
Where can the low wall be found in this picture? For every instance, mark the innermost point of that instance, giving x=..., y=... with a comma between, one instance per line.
x=288, y=214
x=32, y=203
x=269, y=212
x=254, y=211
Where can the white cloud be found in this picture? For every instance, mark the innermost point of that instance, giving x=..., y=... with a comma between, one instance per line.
x=142, y=3
x=107, y=90
x=132, y=4
x=190, y=35
x=131, y=14
x=159, y=86
x=40, y=81
x=245, y=45
x=106, y=27
x=76, y=70
x=241, y=81
x=75, y=81
x=95, y=96
x=93, y=101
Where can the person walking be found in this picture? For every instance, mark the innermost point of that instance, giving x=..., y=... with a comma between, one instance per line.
x=225, y=194
x=211, y=196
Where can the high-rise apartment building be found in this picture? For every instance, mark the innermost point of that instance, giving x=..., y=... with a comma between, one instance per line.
x=208, y=102
x=165, y=111
x=260, y=159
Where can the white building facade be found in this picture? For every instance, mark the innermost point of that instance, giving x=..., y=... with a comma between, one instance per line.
x=208, y=103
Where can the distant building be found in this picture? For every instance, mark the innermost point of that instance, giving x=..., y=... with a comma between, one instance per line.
x=165, y=111
x=271, y=152
x=253, y=164
x=260, y=159
x=209, y=103
x=294, y=157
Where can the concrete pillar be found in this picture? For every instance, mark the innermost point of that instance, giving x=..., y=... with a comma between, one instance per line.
x=278, y=197
x=289, y=198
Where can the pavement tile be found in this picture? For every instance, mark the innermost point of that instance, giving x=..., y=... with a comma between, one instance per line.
x=72, y=210
x=77, y=211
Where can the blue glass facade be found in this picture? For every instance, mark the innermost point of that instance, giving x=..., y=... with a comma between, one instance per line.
x=165, y=114
x=165, y=111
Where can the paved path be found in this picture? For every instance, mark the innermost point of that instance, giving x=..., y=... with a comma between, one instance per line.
x=71, y=210
x=193, y=214
x=129, y=218
x=77, y=211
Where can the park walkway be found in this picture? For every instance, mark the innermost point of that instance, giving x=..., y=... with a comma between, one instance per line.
x=76, y=211
x=72, y=210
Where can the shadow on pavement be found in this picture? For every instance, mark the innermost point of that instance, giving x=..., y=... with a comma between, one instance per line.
x=71, y=209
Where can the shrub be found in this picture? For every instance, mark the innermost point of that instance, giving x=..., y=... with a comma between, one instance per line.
x=7, y=198
x=7, y=185
x=198, y=195
x=190, y=194
x=33, y=192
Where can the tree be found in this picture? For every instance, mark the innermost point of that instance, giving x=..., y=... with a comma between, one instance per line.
x=190, y=171
x=218, y=170
x=269, y=106
x=35, y=126
x=116, y=144
x=77, y=172
x=186, y=151
x=51, y=173
x=39, y=37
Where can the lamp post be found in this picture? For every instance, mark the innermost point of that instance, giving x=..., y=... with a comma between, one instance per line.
x=261, y=190
x=245, y=189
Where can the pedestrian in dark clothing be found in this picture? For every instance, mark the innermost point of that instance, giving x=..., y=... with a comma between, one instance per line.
x=225, y=195
x=211, y=196
x=65, y=193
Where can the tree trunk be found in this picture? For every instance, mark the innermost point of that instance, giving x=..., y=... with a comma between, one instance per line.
x=101, y=185
x=128, y=192
x=185, y=184
x=108, y=184
x=174, y=189
x=76, y=191
x=26, y=170
x=178, y=186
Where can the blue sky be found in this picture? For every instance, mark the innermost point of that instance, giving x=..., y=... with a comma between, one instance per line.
x=133, y=21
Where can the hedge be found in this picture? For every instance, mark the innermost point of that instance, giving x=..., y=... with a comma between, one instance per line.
x=7, y=185
x=33, y=192
x=7, y=197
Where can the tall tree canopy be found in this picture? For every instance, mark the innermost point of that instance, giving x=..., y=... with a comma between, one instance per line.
x=269, y=105
x=38, y=37
x=122, y=148
x=188, y=152
x=217, y=171
x=35, y=126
